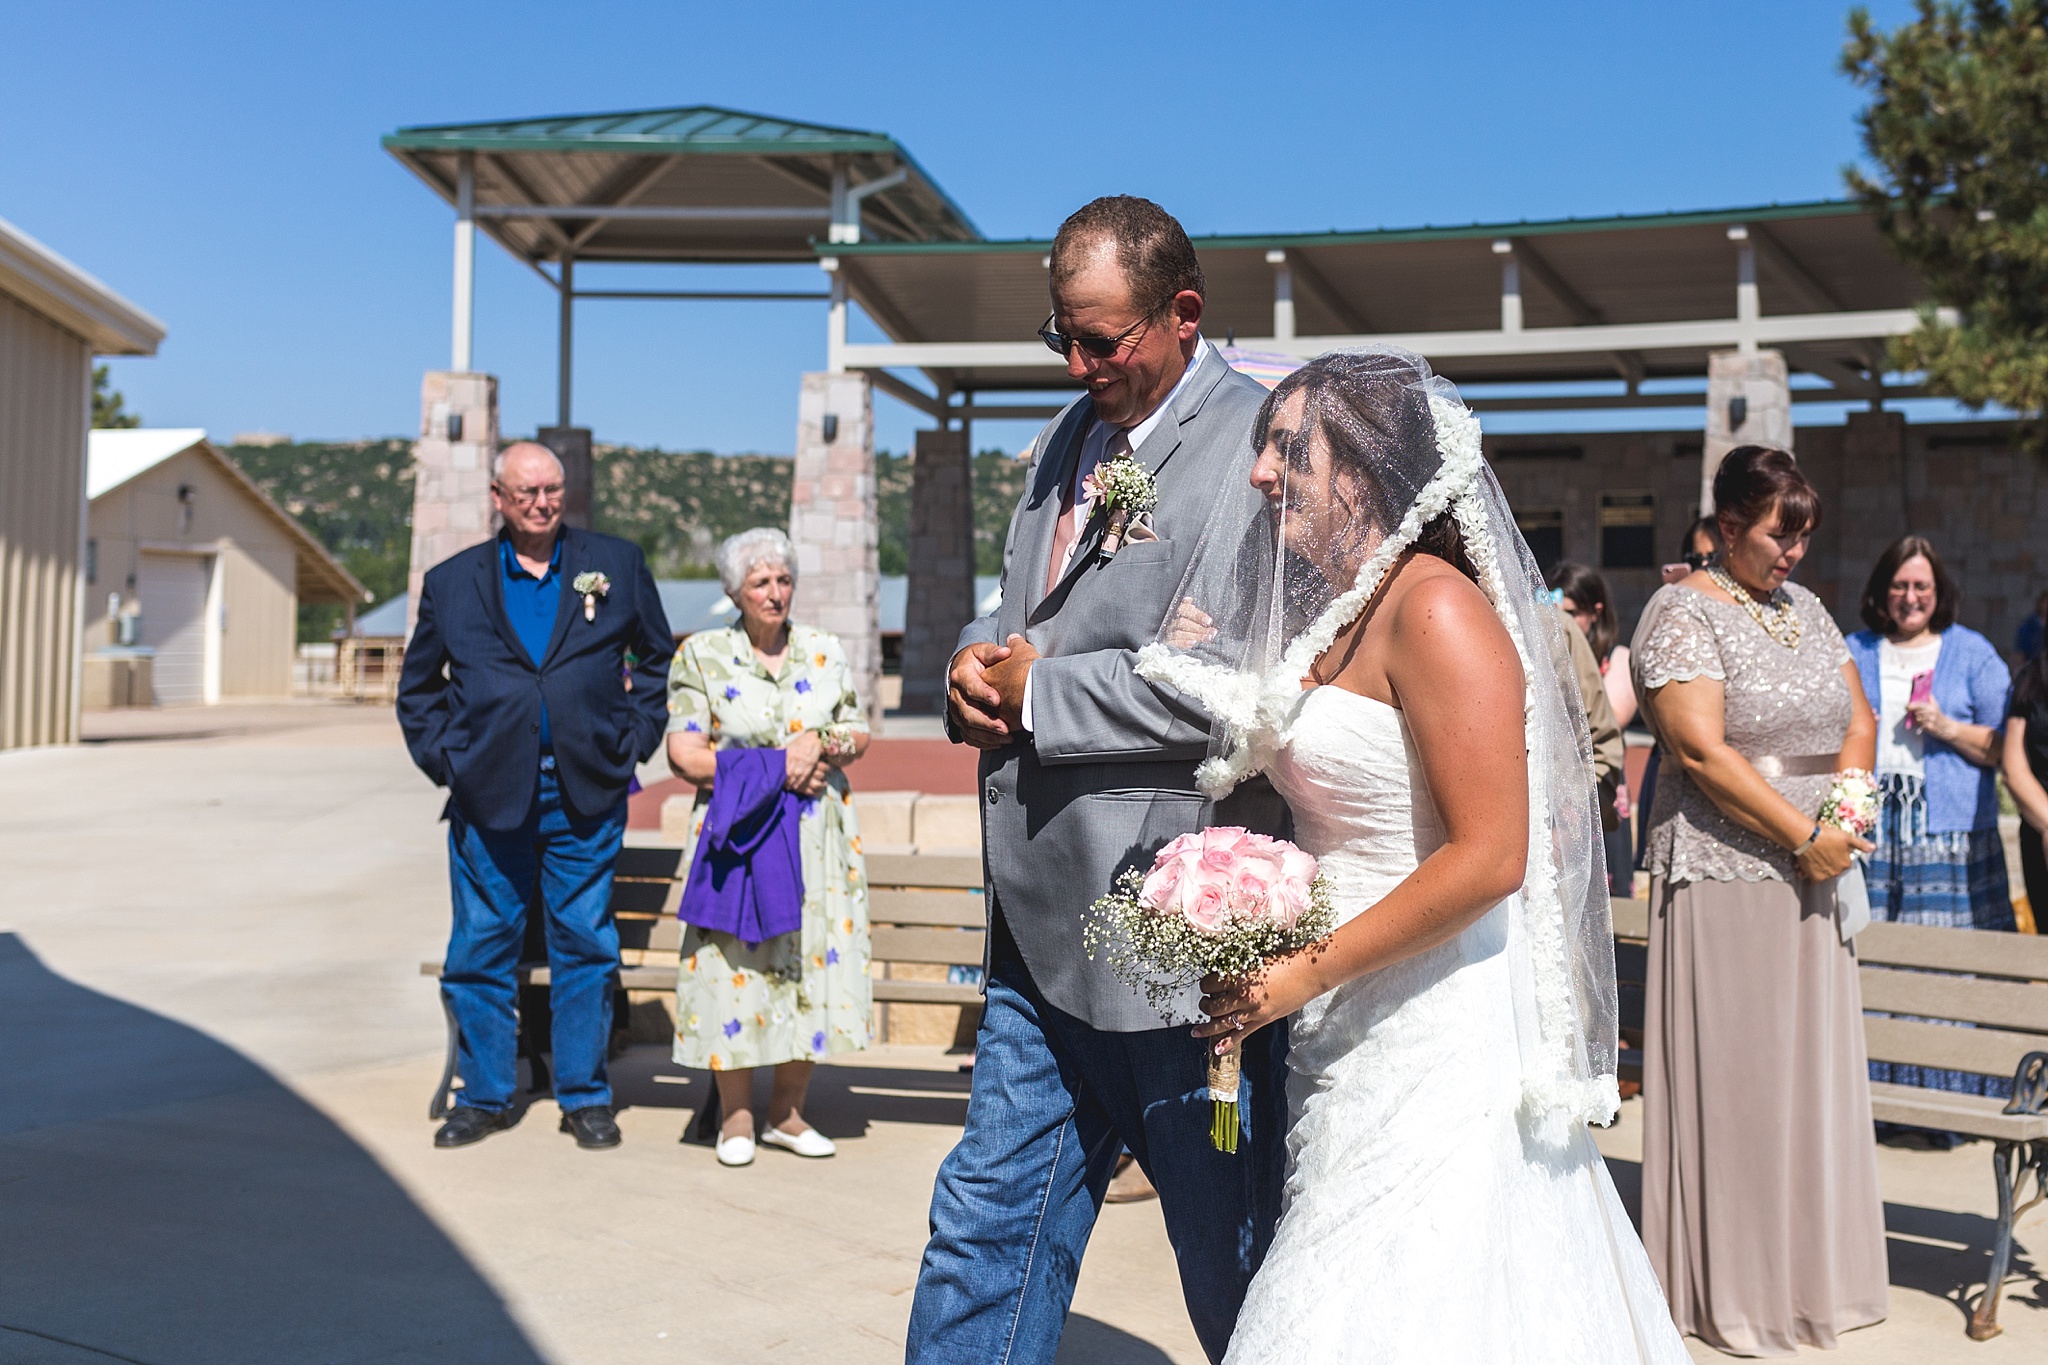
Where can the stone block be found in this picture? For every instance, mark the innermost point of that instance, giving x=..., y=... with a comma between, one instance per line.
x=885, y=818
x=947, y=823
x=572, y=447
x=941, y=586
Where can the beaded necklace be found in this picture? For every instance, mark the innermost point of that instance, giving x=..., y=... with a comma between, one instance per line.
x=1780, y=620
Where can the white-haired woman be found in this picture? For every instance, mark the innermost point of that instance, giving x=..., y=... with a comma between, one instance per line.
x=768, y=683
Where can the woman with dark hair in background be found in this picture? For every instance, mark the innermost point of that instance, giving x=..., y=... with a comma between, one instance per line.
x=1583, y=595
x=1761, y=1209
x=2026, y=774
x=1939, y=691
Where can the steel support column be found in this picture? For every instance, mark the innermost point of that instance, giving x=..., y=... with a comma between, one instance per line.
x=565, y=341
x=465, y=261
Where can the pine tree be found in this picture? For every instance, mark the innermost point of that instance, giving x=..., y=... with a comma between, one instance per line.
x=106, y=405
x=1958, y=128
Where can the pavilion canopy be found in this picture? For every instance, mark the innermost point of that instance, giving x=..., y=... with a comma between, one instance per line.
x=696, y=184
x=1629, y=298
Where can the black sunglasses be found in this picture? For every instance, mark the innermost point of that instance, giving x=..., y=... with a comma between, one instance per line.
x=1102, y=348
x=1696, y=560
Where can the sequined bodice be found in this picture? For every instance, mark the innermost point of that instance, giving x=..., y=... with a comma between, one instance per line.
x=1786, y=703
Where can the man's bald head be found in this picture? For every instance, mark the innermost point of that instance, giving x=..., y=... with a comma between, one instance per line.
x=526, y=488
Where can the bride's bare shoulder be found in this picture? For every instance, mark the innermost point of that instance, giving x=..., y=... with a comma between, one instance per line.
x=1428, y=593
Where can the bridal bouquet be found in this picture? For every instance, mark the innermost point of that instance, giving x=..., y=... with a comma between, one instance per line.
x=1851, y=803
x=1218, y=902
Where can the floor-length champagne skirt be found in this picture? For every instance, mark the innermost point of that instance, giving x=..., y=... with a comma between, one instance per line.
x=1761, y=1210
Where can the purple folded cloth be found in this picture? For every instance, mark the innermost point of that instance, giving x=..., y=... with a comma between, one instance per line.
x=747, y=879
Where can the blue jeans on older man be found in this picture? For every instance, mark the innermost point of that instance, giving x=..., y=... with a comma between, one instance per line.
x=1054, y=1102
x=561, y=865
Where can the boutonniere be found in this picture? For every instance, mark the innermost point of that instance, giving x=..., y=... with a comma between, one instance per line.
x=592, y=585
x=1124, y=488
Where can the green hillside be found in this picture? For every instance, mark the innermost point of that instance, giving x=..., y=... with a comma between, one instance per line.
x=356, y=496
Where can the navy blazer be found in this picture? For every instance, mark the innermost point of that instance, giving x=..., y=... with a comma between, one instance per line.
x=469, y=696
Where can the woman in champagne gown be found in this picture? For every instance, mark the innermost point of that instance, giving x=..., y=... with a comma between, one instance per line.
x=1404, y=688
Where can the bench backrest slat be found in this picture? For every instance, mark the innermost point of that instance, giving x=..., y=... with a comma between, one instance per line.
x=947, y=947
x=1986, y=952
x=1989, y=1052
x=2018, y=1005
x=940, y=871
x=657, y=861
x=957, y=909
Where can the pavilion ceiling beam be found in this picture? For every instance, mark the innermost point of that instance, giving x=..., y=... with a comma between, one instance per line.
x=1848, y=381
x=1314, y=281
x=622, y=190
x=876, y=304
x=1705, y=334
x=1628, y=364
x=512, y=177
x=1791, y=271
x=905, y=392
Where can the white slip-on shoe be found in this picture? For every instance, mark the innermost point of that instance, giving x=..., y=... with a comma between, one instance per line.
x=810, y=1142
x=736, y=1151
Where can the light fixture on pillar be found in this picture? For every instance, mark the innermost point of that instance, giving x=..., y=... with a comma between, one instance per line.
x=1738, y=413
x=830, y=427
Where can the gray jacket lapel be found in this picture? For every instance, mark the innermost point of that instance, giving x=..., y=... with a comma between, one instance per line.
x=1055, y=470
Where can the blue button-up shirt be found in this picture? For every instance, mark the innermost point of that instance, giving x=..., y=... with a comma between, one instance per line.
x=530, y=605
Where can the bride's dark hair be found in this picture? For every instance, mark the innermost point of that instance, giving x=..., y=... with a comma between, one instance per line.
x=1363, y=404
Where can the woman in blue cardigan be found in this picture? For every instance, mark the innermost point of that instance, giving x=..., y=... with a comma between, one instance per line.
x=1939, y=859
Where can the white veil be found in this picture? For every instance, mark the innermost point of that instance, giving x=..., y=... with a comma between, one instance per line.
x=1380, y=455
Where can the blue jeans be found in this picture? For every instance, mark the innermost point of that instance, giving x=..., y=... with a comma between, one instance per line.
x=562, y=865
x=1054, y=1102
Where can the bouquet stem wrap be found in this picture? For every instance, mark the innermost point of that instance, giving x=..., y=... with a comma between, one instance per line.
x=1225, y=1069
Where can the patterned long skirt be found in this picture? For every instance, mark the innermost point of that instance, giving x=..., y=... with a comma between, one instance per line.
x=1952, y=881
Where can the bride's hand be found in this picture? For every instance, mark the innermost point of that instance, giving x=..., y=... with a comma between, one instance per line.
x=1239, y=1008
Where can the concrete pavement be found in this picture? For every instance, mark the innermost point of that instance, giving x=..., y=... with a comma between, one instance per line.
x=215, y=1053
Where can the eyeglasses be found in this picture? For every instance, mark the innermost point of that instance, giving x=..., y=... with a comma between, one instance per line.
x=527, y=497
x=1102, y=348
x=1695, y=560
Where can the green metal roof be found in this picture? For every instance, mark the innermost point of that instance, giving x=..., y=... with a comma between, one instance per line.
x=1521, y=227
x=696, y=129
x=701, y=156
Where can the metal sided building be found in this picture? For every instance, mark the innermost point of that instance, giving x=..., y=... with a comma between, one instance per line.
x=54, y=318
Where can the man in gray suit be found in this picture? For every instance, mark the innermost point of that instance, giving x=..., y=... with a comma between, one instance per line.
x=1087, y=770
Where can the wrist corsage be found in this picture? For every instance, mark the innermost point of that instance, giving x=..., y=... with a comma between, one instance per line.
x=1851, y=803
x=839, y=741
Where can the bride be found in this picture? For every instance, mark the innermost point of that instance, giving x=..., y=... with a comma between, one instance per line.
x=1386, y=655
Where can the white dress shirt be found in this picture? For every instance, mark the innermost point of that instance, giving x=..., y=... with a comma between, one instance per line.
x=1092, y=447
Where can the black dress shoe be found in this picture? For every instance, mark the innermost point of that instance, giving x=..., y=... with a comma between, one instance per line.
x=467, y=1124
x=593, y=1126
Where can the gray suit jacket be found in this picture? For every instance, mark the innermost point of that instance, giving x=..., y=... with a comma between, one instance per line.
x=1107, y=776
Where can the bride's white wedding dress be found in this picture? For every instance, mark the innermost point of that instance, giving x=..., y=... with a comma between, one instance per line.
x=1423, y=1220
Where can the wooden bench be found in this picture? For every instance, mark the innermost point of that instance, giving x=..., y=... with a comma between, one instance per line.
x=923, y=909
x=1907, y=969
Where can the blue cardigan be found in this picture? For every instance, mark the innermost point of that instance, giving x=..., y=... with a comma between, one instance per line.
x=1971, y=684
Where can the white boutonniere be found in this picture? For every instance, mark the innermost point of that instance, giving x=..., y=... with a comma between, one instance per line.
x=1124, y=489
x=592, y=585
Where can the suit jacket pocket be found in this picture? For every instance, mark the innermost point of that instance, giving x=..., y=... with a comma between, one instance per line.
x=1138, y=552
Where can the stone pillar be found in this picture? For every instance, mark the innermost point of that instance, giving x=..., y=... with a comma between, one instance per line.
x=1872, y=499
x=941, y=566
x=833, y=523
x=1755, y=388
x=451, y=500
x=572, y=447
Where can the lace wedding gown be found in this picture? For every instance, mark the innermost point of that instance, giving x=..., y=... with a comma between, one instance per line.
x=1423, y=1222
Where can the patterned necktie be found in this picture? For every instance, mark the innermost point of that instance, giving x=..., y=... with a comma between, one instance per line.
x=1074, y=511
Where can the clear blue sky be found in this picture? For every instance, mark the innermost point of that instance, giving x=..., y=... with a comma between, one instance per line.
x=218, y=163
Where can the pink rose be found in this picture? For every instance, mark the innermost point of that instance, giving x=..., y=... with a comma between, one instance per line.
x=1162, y=888
x=1256, y=875
x=1221, y=847
x=1183, y=844
x=1205, y=901
x=1296, y=865
x=1289, y=902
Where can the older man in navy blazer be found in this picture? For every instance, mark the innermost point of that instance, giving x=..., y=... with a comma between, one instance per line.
x=515, y=696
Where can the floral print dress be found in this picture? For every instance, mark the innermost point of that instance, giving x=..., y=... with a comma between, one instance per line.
x=802, y=995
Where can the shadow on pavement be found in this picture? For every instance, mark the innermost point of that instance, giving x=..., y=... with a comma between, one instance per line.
x=164, y=1200
x=843, y=1100
x=1948, y=1254
x=1089, y=1342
